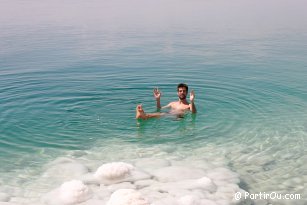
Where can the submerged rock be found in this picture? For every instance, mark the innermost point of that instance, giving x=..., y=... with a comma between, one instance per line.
x=64, y=169
x=149, y=164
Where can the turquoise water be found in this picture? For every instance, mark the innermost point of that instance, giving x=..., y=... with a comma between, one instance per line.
x=73, y=88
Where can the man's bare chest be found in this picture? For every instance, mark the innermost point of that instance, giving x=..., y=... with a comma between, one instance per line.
x=180, y=106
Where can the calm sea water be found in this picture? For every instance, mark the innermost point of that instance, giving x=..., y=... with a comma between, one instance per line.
x=74, y=87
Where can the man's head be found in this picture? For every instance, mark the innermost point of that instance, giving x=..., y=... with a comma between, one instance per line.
x=182, y=90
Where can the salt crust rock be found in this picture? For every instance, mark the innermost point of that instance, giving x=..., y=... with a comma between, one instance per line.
x=102, y=193
x=127, y=197
x=177, y=173
x=74, y=192
x=203, y=183
x=134, y=176
x=202, y=164
x=149, y=164
x=89, y=178
x=260, y=202
x=170, y=185
x=94, y=202
x=137, y=175
x=13, y=191
x=71, y=192
x=144, y=183
x=113, y=171
x=65, y=169
x=4, y=197
x=178, y=192
x=228, y=188
x=223, y=174
x=189, y=200
x=166, y=201
x=207, y=202
x=152, y=195
x=124, y=185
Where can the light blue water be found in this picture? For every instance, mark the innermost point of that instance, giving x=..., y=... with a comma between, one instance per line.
x=72, y=87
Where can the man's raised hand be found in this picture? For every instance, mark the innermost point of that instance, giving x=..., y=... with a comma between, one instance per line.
x=157, y=93
x=192, y=96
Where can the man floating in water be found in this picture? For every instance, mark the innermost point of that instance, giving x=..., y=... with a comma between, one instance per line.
x=177, y=107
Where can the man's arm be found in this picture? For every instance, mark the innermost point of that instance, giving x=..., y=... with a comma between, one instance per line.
x=154, y=115
x=192, y=105
x=157, y=95
x=158, y=104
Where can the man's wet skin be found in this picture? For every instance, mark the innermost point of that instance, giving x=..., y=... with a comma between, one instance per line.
x=140, y=113
x=177, y=108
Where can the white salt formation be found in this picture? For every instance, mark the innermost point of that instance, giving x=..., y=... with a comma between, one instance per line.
x=127, y=197
x=156, y=179
x=4, y=197
x=190, y=177
x=174, y=173
x=74, y=192
x=71, y=192
x=113, y=171
x=189, y=200
x=120, y=183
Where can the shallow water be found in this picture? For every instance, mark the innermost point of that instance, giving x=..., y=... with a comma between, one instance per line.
x=69, y=89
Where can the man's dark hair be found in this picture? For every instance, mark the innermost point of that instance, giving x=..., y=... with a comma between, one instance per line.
x=180, y=85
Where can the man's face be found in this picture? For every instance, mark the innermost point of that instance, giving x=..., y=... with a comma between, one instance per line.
x=182, y=93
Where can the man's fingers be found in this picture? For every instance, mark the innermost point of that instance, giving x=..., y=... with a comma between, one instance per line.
x=156, y=91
